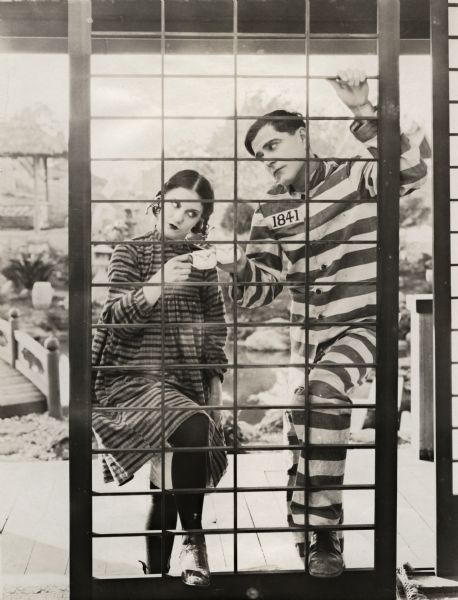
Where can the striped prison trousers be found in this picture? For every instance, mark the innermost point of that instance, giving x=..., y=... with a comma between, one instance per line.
x=331, y=381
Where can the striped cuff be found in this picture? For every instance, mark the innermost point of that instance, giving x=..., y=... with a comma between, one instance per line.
x=363, y=130
x=247, y=277
x=142, y=305
x=216, y=372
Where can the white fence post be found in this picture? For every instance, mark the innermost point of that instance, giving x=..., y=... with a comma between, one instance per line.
x=52, y=372
x=14, y=325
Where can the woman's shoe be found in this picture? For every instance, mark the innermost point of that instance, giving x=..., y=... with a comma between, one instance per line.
x=146, y=570
x=194, y=561
x=144, y=567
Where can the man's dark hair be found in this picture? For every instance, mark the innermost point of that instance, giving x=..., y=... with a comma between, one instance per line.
x=281, y=120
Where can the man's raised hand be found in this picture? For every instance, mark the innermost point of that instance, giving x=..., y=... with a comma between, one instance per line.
x=352, y=88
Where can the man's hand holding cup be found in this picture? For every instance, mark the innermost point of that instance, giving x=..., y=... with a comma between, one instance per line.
x=229, y=260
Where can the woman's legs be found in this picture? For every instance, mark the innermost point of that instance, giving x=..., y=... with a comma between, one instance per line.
x=189, y=469
x=154, y=521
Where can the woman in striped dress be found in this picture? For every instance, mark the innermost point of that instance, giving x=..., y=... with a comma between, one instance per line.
x=153, y=383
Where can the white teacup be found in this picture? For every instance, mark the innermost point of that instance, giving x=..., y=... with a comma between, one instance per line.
x=225, y=254
x=204, y=259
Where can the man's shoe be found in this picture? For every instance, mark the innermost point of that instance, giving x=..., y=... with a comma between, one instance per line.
x=194, y=561
x=325, y=555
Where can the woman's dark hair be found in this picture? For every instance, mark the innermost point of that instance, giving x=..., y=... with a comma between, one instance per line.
x=281, y=120
x=194, y=181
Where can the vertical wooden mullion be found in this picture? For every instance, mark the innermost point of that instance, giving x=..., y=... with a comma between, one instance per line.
x=387, y=295
x=235, y=50
x=307, y=288
x=162, y=303
x=79, y=40
x=446, y=503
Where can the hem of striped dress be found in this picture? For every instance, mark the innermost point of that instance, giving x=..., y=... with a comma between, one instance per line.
x=113, y=470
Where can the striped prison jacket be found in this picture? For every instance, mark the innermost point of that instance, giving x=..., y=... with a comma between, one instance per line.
x=341, y=246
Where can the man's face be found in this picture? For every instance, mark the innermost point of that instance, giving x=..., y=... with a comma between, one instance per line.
x=278, y=148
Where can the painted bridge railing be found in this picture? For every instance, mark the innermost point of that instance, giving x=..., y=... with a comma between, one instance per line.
x=39, y=364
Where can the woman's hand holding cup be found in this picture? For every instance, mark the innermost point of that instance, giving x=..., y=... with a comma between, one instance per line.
x=176, y=270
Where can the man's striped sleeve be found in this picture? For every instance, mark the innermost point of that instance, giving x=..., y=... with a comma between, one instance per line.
x=259, y=283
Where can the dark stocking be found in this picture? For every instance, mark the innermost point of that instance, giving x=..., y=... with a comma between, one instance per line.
x=189, y=469
x=154, y=521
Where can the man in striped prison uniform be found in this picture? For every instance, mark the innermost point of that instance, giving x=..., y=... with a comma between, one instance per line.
x=331, y=276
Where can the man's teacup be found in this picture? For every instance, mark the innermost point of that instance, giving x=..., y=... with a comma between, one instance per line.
x=225, y=254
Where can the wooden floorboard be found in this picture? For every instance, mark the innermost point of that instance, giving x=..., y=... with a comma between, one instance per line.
x=416, y=483
x=11, y=482
x=278, y=548
x=50, y=549
x=250, y=555
x=416, y=508
x=119, y=556
x=34, y=517
x=418, y=544
x=214, y=543
x=26, y=517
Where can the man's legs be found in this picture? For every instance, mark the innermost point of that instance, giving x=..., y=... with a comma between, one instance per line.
x=329, y=383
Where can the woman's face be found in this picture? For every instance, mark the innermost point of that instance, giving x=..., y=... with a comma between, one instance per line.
x=180, y=217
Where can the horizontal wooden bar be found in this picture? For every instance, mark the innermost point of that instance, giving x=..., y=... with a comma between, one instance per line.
x=225, y=159
x=231, y=530
x=206, y=284
x=316, y=323
x=58, y=44
x=240, y=449
x=201, y=366
x=186, y=117
x=197, y=324
x=231, y=407
x=198, y=243
x=357, y=584
x=228, y=324
x=165, y=75
x=195, y=35
x=240, y=490
x=230, y=200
